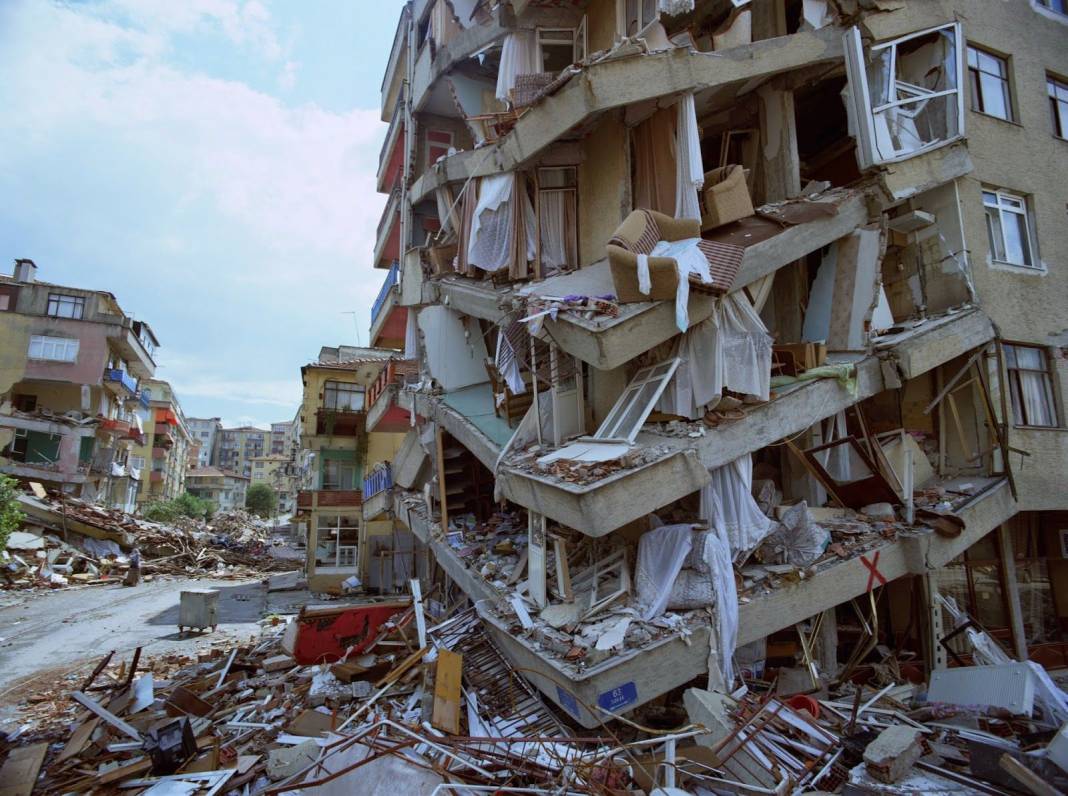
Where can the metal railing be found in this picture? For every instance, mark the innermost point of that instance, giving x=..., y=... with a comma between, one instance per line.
x=390, y=282
x=377, y=481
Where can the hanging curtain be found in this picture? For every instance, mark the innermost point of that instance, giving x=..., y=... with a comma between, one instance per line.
x=690, y=175
x=727, y=504
x=519, y=56
x=653, y=148
x=1035, y=393
x=524, y=237
x=467, y=217
x=554, y=226
x=492, y=228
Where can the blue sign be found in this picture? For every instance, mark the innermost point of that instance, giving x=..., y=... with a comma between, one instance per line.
x=567, y=701
x=626, y=694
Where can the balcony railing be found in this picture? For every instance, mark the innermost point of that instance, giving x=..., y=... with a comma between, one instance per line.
x=119, y=380
x=397, y=371
x=164, y=436
x=388, y=284
x=379, y=480
x=144, y=397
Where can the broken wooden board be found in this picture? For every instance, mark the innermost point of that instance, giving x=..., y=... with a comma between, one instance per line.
x=449, y=671
x=19, y=774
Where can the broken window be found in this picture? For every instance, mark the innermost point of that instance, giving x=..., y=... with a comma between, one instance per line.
x=1007, y=226
x=558, y=48
x=905, y=93
x=637, y=401
x=988, y=76
x=1030, y=386
x=634, y=15
x=1058, y=106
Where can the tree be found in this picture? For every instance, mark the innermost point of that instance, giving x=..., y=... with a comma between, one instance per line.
x=261, y=500
x=10, y=515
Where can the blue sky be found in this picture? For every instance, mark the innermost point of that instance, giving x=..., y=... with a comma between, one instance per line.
x=211, y=163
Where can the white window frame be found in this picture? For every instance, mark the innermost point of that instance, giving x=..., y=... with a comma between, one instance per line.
x=1004, y=204
x=863, y=112
x=1057, y=92
x=53, y=349
x=978, y=104
x=611, y=428
x=1048, y=5
x=621, y=18
x=75, y=304
x=1016, y=386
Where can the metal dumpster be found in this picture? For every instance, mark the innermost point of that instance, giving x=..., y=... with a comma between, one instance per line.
x=198, y=609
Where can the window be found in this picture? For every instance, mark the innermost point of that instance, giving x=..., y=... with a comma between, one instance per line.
x=558, y=48
x=634, y=15
x=62, y=306
x=438, y=143
x=1058, y=106
x=637, y=401
x=204, y=434
x=56, y=349
x=1060, y=6
x=338, y=474
x=1008, y=229
x=342, y=397
x=137, y=462
x=259, y=465
x=988, y=76
x=905, y=93
x=1030, y=385
x=558, y=213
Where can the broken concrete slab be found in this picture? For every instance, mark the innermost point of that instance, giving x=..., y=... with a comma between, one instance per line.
x=893, y=754
x=286, y=761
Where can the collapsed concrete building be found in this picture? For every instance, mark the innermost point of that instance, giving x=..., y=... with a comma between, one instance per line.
x=735, y=331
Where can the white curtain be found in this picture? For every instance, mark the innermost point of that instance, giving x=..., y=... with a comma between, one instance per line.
x=731, y=350
x=519, y=56
x=661, y=554
x=490, y=242
x=1034, y=388
x=690, y=174
x=553, y=212
x=728, y=505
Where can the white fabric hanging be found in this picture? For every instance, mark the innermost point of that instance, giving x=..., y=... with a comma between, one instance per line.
x=519, y=56
x=490, y=242
x=717, y=556
x=690, y=260
x=728, y=506
x=553, y=231
x=689, y=173
x=675, y=7
x=730, y=350
x=507, y=364
x=661, y=553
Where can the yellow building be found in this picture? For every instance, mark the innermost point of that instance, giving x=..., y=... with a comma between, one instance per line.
x=164, y=457
x=340, y=452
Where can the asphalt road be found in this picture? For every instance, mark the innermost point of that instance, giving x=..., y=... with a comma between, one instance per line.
x=59, y=629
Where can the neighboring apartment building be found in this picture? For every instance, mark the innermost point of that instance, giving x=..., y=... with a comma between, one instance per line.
x=238, y=445
x=271, y=470
x=207, y=431
x=338, y=529
x=281, y=438
x=875, y=311
x=72, y=364
x=168, y=441
x=225, y=489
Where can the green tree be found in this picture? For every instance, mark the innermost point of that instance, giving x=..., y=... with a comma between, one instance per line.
x=261, y=500
x=10, y=514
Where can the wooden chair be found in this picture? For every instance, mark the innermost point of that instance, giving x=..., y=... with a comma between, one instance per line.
x=514, y=406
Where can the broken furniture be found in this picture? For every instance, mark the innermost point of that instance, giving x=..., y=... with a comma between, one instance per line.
x=725, y=197
x=198, y=609
x=171, y=746
x=508, y=405
x=328, y=633
x=637, y=237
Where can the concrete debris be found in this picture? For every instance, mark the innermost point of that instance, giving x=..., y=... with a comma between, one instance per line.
x=893, y=753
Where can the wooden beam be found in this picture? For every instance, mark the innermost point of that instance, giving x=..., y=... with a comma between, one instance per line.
x=447, y=677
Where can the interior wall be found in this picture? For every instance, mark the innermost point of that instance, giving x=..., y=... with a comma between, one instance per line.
x=603, y=178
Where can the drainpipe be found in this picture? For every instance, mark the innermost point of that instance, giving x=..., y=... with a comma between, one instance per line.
x=409, y=146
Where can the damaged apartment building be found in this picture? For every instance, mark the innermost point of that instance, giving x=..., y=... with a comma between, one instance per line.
x=730, y=336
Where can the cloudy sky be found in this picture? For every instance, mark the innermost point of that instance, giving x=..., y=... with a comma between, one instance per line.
x=211, y=163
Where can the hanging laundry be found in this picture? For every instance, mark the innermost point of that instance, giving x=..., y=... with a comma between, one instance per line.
x=519, y=56
x=507, y=363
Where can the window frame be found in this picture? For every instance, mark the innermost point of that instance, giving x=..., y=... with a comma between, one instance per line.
x=864, y=112
x=429, y=144
x=642, y=23
x=612, y=425
x=1048, y=5
x=58, y=300
x=1016, y=402
x=349, y=388
x=975, y=87
x=1001, y=196
x=43, y=341
x=1058, y=116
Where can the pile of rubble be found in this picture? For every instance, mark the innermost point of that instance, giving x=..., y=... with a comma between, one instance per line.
x=64, y=541
x=380, y=697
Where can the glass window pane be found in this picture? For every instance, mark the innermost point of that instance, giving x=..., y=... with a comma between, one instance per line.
x=973, y=58
x=995, y=95
x=990, y=198
x=1032, y=358
x=992, y=64
x=994, y=234
x=1014, y=227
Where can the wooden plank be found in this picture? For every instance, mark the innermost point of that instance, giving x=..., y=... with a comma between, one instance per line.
x=106, y=715
x=19, y=774
x=79, y=738
x=1029, y=780
x=404, y=666
x=448, y=674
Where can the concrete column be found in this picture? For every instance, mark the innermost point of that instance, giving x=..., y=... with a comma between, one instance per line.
x=1012, y=591
x=780, y=165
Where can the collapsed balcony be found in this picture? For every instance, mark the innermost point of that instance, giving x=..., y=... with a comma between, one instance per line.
x=386, y=414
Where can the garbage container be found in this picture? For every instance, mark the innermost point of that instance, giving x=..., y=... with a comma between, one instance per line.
x=198, y=609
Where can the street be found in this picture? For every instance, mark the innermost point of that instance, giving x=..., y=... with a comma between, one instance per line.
x=65, y=629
